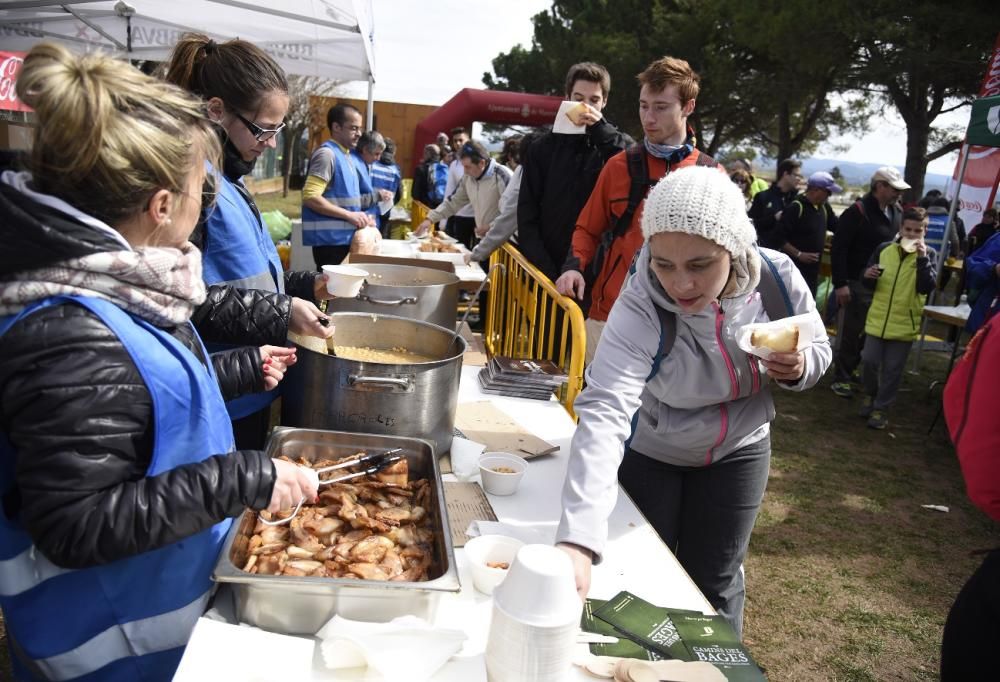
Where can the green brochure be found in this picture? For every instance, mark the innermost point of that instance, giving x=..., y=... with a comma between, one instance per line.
x=645, y=624
x=712, y=639
x=625, y=648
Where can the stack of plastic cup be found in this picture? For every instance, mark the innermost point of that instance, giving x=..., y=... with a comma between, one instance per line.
x=536, y=614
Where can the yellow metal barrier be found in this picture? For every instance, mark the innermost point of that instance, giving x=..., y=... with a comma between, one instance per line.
x=528, y=318
x=418, y=213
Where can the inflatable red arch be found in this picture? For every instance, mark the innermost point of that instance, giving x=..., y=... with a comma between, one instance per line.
x=486, y=106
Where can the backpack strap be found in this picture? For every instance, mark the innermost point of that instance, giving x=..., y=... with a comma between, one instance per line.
x=773, y=292
x=705, y=160
x=639, y=184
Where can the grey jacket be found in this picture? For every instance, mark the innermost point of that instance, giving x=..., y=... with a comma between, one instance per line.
x=482, y=194
x=505, y=225
x=707, y=399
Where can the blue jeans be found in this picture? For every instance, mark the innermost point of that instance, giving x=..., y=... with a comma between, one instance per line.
x=705, y=516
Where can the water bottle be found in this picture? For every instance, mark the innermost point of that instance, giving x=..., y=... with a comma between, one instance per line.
x=963, y=304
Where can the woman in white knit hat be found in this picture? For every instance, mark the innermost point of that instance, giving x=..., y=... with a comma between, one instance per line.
x=692, y=424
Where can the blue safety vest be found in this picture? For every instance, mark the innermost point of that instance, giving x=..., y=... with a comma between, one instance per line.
x=344, y=190
x=237, y=248
x=365, y=183
x=131, y=619
x=238, y=251
x=387, y=177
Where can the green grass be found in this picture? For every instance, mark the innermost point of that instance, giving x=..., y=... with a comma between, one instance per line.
x=848, y=577
x=291, y=205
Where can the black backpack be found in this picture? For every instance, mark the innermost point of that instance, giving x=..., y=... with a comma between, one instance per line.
x=639, y=186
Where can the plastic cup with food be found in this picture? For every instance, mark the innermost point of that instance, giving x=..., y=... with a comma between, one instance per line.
x=490, y=557
x=501, y=472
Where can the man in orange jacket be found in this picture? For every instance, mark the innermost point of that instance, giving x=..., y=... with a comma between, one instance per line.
x=607, y=233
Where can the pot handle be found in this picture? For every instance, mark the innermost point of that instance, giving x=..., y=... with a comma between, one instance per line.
x=409, y=300
x=391, y=382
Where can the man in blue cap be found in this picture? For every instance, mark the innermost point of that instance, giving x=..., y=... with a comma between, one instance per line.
x=801, y=232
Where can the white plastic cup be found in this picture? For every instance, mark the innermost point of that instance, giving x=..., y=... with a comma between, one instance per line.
x=490, y=549
x=540, y=588
x=344, y=281
x=497, y=482
x=536, y=614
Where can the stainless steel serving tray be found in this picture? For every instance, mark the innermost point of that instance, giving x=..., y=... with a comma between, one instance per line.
x=302, y=605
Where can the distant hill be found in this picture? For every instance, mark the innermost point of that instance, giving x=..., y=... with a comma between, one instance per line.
x=859, y=174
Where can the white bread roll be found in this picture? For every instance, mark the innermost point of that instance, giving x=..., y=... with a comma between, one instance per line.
x=783, y=340
x=576, y=113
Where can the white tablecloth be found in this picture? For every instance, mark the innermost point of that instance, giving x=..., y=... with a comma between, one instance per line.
x=635, y=558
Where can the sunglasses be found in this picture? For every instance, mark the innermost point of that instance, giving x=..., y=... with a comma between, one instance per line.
x=260, y=134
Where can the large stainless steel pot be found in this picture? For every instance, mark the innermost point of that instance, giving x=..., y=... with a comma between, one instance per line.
x=416, y=400
x=407, y=291
x=296, y=605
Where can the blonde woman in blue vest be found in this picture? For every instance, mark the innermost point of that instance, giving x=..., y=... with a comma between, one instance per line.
x=902, y=273
x=118, y=476
x=251, y=300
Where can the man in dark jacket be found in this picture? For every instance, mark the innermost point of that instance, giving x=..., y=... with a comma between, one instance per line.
x=984, y=230
x=863, y=225
x=560, y=172
x=768, y=205
x=801, y=232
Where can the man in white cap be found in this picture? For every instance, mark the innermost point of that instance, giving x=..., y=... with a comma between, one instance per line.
x=863, y=225
x=801, y=232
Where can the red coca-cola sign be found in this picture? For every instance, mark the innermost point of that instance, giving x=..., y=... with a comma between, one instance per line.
x=10, y=66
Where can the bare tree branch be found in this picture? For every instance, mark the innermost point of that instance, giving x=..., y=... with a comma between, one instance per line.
x=944, y=150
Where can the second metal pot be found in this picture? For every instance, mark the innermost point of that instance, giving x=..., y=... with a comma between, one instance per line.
x=417, y=293
x=416, y=400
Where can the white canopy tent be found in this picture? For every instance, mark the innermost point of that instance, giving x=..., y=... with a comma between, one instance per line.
x=328, y=38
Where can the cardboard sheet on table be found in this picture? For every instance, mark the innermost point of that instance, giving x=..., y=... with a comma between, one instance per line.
x=465, y=502
x=493, y=428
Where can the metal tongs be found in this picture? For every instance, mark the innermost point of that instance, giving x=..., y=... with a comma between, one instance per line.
x=376, y=462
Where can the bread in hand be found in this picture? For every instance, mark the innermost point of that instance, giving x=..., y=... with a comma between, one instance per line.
x=575, y=114
x=782, y=340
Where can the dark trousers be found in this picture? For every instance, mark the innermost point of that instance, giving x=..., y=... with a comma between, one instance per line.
x=463, y=229
x=705, y=516
x=250, y=431
x=330, y=255
x=884, y=363
x=850, y=336
x=972, y=630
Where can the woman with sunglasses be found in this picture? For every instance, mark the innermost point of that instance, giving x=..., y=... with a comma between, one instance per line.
x=250, y=301
x=117, y=471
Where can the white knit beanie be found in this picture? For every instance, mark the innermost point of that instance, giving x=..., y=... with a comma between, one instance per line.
x=703, y=201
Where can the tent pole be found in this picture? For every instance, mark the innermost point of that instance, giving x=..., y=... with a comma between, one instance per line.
x=370, y=113
x=943, y=255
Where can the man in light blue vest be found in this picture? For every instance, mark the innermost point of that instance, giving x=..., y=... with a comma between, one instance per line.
x=386, y=175
x=333, y=206
x=370, y=146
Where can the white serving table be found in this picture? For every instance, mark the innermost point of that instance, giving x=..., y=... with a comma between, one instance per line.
x=635, y=558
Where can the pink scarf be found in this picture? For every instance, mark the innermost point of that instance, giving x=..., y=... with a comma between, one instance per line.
x=160, y=285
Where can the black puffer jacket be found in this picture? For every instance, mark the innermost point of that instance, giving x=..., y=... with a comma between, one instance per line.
x=248, y=316
x=559, y=174
x=71, y=396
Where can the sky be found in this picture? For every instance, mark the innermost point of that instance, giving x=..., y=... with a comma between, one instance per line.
x=426, y=51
